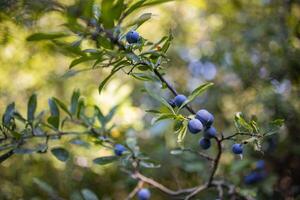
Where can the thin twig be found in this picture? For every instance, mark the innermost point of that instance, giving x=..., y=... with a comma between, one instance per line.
x=135, y=190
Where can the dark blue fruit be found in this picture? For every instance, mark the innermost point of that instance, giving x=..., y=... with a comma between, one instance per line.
x=119, y=149
x=260, y=165
x=179, y=99
x=237, y=148
x=254, y=177
x=132, y=37
x=205, y=117
x=210, y=132
x=143, y=194
x=204, y=143
x=195, y=126
x=172, y=103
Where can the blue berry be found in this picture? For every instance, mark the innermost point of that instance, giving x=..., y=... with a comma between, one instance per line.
x=195, y=126
x=119, y=149
x=204, y=143
x=179, y=99
x=254, y=177
x=237, y=148
x=172, y=103
x=210, y=132
x=132, y=37
x=205, y=117
x=260, y=165
x=144, y=194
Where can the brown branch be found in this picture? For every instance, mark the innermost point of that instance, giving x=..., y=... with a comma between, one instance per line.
x=135, y=190
x=212, y=174
x=161, y=187
x=7, y=155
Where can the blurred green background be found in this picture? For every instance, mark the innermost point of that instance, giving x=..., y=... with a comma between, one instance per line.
x=249, y=49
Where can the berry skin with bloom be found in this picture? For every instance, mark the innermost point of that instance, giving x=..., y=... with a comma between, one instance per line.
x=179, y=99
x=210, y=132
x=172, y=103
x=205, y=117
x=204, y=143
x=254, y=177
x=195, y=126
x=132, y=37
x=144, y=194
x=119, y=149
x=237, y=148
x=260, y=165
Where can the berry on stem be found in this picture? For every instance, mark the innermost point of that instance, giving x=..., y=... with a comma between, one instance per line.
x=237, y=148
x=204, y=143
x=179, y=99
x=260, y=165
x=195, y=126
x=205, y=117
x=132, y=37
x=172, y=103
x=144, y=194
x=210, y=132
x=254, y=177
x=119, y=149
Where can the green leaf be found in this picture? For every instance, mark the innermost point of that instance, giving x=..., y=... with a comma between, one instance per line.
x=142, y=19
x=31, y=107
x=60, y=153
x=134, y=7
x=142, y=76
x=82, y=59
x=167, y=43
x=74, y=101
x=119, y=66
x=54, y=121
x=105, y=160
x=45, y=187
x=153, y=111
x=155, y=2
x=164, y=116
x=53, y=107
x=160, y=99
x=241, y=123
x=100, y=115
x=148, y=164
x=196, y=93
x=8, y=114
x=62, y=106
x=277, y=122
x=108, y=17
x=24, y=151
x=182, y=133
x=81, y=107
x=45, y=36
x=88, y=194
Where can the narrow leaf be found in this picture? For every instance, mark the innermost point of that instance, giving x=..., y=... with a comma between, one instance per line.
x=105, y=160
x=199, y=90
x=31, y=107
x=45, y=36
x=62, y=106
x=60, y=153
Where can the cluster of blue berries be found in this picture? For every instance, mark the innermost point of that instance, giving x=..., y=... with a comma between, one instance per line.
x=256, y=175
x=203, y=121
